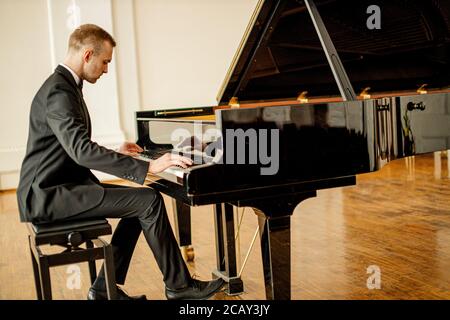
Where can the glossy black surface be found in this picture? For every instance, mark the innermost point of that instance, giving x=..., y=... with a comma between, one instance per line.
x=320, y=145
x=276, y=258
x=319, y=142
x=283, y=55
x=239, y=197
x=322, y=141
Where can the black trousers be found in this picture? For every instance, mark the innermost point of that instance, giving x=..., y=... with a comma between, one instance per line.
x=140, y=209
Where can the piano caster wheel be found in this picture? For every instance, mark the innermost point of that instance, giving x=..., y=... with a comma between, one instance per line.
x=188, y=253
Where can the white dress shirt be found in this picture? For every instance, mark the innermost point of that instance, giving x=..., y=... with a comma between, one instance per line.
x=75, y=76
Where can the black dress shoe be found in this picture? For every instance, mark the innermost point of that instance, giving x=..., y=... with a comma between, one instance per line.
x=94, y=294
x=197, y=290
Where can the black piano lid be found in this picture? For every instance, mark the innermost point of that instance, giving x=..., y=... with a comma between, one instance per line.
x=280, y=55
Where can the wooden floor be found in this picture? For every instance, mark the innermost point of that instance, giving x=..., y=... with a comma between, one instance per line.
x=397, y=219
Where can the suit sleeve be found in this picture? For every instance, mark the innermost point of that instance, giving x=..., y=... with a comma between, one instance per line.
x=64, y=117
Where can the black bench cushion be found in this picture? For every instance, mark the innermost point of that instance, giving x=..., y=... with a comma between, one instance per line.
x=66, y=225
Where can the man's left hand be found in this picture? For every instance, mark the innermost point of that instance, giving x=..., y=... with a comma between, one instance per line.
x=130, y=149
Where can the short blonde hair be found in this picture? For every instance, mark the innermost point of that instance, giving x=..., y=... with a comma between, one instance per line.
x=89, y=34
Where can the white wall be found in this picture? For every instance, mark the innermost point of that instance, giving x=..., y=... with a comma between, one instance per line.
x=186, y=47
x=24, y=63
x=127, y=64
x=170, y=54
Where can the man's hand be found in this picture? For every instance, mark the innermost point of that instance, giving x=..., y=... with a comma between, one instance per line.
x=129, y=149
x=168, y=160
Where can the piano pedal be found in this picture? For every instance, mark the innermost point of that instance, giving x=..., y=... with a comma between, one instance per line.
x=188, y=253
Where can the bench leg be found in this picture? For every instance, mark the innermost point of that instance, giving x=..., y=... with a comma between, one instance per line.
x=92, y=267
x=44, y=275
x=37, y=281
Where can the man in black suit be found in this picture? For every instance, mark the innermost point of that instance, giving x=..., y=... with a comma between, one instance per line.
x=56, y=182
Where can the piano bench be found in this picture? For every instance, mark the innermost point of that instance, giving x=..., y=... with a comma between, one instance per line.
x=70, y=235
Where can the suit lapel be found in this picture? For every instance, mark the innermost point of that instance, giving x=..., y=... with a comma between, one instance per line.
x=87, y=118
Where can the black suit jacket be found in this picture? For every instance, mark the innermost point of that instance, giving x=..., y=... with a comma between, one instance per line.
x=55, y=180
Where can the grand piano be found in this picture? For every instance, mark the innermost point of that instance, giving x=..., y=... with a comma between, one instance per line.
x=318, y=92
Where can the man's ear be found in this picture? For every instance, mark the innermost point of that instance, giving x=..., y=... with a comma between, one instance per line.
x=87, y=55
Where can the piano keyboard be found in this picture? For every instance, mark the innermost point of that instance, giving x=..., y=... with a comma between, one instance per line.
x=175, y=171
x=197, y=156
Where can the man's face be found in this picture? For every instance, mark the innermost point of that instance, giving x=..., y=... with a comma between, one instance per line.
x=97, y=64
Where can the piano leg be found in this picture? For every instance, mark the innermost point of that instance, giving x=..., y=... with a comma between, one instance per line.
x=225, y=248
x=275, y=235
x=182, y=219
x=274, y=219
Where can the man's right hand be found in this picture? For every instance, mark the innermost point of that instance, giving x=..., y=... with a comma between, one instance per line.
x=168, y=160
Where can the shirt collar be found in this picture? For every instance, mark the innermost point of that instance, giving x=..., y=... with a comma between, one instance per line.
x=75, y=76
